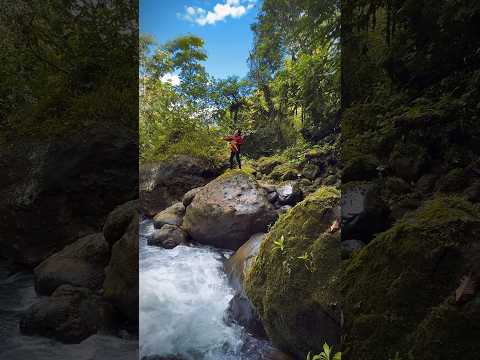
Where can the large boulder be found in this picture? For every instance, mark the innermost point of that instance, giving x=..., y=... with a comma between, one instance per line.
x=363, y=211
x=70, y=315
x=240, y=309
x=118, y=221
x=53, y=192
x=172, y=215
x=399, y=291
x=227, y=211
x=79, y=264
x=292, y=280
x=163, y=183
x=121, y=275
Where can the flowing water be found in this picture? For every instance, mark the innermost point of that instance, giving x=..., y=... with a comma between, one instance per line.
x=16, y=295
x=184, y=294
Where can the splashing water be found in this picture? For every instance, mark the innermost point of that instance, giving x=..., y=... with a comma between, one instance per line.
x=184, y=294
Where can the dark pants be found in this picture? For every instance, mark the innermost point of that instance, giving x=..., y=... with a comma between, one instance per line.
x=237, y=156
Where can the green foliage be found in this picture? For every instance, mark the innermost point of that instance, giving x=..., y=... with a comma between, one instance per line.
x=65, y=66
x=326, y=354
x=279, y=244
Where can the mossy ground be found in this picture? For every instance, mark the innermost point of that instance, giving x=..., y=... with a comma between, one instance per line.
x=396, y=290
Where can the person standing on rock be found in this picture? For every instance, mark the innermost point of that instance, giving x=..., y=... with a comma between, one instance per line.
x=235, y=142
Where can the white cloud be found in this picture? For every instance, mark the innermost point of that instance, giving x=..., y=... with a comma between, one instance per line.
x=171, y=78
x=220, y=12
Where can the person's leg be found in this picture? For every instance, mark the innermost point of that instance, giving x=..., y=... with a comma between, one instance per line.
x=238, y=159
x=232, y=154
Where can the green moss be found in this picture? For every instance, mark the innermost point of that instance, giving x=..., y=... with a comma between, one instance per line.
x=294, y=289
x=403, y=273
x=266, y=164
x=284, y=171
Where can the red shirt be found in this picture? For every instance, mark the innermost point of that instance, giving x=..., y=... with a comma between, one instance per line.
x=235, y=142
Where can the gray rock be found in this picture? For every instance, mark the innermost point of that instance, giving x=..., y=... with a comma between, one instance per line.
x=240, y=309
x=163, y=183
x=79, y=264
x=189, y=195
x=272, y=197
x=426, y=183
x=118, y=220
x=330, y=180
x=311, y=171
x=289, y=193
x=228, y=210
x=283, y=209
x=363, y=212
x=70, y=315
x=168, y=237
x=121, y=275
x=349, y=247
x=172, y=215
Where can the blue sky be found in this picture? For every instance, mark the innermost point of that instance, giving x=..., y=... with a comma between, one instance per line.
x=223, y=24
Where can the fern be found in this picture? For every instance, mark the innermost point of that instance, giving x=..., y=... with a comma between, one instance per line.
x=326, y=354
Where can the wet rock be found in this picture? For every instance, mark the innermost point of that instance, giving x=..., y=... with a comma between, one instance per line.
x=190, y=195
x=228, y=210
x=79, y=264
x=289, y=193
x=163, y=183
x=272, y=197
x=172, y=215
x=121, y=274
x=118, y=220
x=168, y=237
x=283, y=209
x=363, y=212
x=70, y=315
x=240, y=308
x=311, y=171
x=349, y=247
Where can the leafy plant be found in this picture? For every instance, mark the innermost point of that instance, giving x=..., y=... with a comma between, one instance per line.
x=279, y=244
x=308, y=261
x=326, y=354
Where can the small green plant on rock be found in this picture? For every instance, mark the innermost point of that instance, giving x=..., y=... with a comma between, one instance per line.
x=326, y=354
x=308, y=261
x=279, y=244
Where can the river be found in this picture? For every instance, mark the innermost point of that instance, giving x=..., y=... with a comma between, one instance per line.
x=17, y=293
x=184, y=294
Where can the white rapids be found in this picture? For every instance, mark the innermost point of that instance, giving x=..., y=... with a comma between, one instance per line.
x=184, y=294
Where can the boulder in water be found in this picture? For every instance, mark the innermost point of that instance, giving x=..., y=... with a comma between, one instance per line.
x=228, y=210
x=168, y=237
x=240, y=309
x=79, y=264
x=172, y=215
x=121, y=275
x=70, y=315
x=293, y=285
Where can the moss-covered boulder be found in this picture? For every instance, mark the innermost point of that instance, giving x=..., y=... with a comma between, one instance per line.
x=284, y=172
x=292, y=281
x=266, y=164
x=398, y=291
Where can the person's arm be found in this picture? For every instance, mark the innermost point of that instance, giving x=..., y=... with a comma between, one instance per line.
x=228, y=138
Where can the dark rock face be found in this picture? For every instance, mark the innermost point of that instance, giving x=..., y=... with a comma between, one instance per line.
x=168, y=237
x=349, y=247
x=121, y=274
x=80, y=264
x=52, y=193
x=172, y=215
x=118, y=221
x=70, y=315
x=163, y=183
x=363, y=212
x=227, y=211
